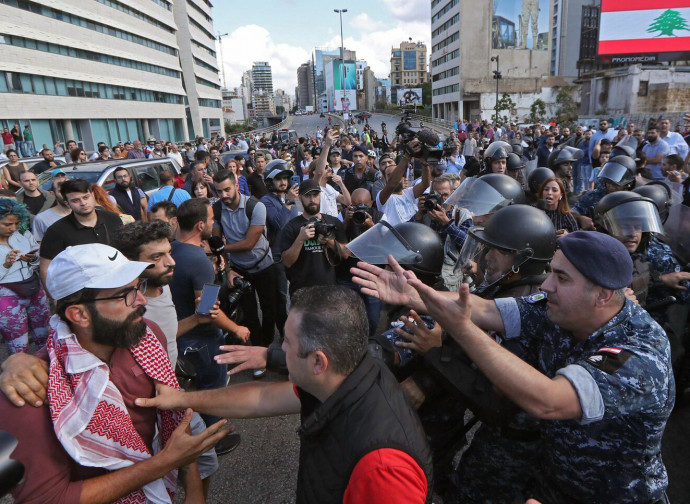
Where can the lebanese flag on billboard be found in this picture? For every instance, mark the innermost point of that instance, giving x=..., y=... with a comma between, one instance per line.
x=644, y=26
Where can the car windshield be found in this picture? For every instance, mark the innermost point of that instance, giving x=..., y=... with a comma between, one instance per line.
x=90, y=177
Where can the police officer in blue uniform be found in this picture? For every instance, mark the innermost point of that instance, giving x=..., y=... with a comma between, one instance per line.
x=602, y=384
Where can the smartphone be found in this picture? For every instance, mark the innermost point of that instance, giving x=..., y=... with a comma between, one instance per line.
x=336, y=128
x=30, y=252
x=294, y=180
x=209, y=296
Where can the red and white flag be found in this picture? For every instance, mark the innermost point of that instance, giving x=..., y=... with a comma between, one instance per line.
x=644, y=26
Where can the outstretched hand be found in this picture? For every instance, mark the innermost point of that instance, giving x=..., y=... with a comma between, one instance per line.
x=246, y=357
x=453, y=313
x=390, y=286
x=167, y=398
x=418, y=336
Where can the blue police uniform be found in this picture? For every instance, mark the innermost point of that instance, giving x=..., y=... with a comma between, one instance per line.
x=622, y=375
x=586, y=204
x=662, y=260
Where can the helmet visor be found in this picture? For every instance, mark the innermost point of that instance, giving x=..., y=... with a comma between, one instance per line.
x=476, y=196
x=633, y=216
x=569, y=154
x=482, y=261
x=376, y=244
x=493, y=149
x=615, y=173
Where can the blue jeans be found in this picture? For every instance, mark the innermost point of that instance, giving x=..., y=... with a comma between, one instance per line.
x=582, y=174
x=371, y=304
x=28, y=148
x=209, y=375
x=18, y=146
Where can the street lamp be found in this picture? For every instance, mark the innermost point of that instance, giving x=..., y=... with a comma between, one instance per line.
x=497, y=76
x=220, y=47
x=342, y=58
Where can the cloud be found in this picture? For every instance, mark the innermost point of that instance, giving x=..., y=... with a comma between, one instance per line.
x=411, y=11
x=251, y=43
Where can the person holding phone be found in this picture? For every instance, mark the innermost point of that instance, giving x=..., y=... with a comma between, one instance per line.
x=23, y=301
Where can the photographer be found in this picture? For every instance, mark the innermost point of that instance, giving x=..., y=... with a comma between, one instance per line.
x=397, y=203
x=311, y=242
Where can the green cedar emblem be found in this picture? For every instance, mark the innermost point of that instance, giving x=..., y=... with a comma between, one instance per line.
x=669, y=21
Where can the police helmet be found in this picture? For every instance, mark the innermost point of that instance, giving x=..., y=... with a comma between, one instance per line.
x=537, y=178
x=278, y=167
x=427, y=243
x=565, y=155
x=486, y=194
x=522, y=230
x=514, y=162
x=509, y=188
x=619, y=171
x=627, y=146
x=622, y=212
x=660, y=193
x=497, y=150
x=516, y=145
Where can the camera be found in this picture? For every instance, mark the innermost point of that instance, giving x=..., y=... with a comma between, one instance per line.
x=323, y=229
x=240, y=287
x=432, y=200
x=427, y=137
x=361, y=212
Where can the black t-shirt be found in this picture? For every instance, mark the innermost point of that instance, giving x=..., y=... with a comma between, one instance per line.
x=68, y=231
x=312, y=266
x=34, y=203
x=193, y=269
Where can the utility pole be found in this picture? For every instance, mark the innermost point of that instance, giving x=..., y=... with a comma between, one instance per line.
x=342, y=59
x=497, y=76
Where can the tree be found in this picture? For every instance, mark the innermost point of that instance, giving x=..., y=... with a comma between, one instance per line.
x=566, y=113
x=669, y=21
x=507, y=104
x=537, y=111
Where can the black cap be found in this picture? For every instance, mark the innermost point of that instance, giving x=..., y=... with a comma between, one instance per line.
x=308, y=186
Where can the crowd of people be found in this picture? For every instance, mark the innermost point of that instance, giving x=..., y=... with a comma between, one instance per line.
x=530, y=279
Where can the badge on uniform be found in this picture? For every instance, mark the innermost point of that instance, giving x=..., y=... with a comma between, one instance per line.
x=609, y=359
x=536, y=297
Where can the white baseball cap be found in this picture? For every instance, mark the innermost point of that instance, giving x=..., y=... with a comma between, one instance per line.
x=92, y=266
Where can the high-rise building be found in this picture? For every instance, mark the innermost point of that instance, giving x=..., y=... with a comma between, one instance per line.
x=262, y=77
x=568, y=25
x=360, y=65
x=321, y=59
x=408, y=64
x=305, y=85
x=462, y=69
x=96, y=70
x=263, y=104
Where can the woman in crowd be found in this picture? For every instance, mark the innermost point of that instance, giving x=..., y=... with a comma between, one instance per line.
x=103, y=200
x=23, y=302
x=12, y=170
x=234, y=167
x=201, y=189
x=78, y=156
x=552, y=192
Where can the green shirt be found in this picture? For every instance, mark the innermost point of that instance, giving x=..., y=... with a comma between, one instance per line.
x=28, y=137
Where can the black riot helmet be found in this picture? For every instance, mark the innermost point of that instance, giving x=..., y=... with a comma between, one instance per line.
x=486, y=194
x=537, y=177
x=661, y=194
x=514, y=162
x=521, y=230
x=565, y=155
x=622, y=212
x=619, y=171
x=516, y=145
x=627, y=146
x=497, y=150
x=414, y=245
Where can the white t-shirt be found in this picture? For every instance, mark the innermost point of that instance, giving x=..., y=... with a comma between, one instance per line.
x=162, y=311
x=398, y=208
x=329, y=203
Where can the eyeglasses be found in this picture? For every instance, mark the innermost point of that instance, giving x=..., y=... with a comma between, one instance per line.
x=129, y=295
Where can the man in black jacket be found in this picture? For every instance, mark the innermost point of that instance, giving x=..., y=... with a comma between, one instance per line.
x=131, y=199
x=360, y=440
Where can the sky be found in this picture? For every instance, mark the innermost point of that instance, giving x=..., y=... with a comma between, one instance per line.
x=285, y=33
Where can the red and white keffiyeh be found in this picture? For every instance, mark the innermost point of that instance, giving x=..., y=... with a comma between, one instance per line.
x=90, y=418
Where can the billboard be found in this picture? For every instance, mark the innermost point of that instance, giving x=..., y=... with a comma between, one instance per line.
x=520, y=24
x=344, y=101
x=409, y=96
x=333, y=75
x=636, y=27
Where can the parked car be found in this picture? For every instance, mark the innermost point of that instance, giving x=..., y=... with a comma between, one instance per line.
x=31, y=161
x=144, y=173
x=225, y=156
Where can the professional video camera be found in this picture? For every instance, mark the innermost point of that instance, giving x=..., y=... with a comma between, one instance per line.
x=240, y=287
x=323, y=229
x=361, y=212
x=427, y=137
x=432, y=200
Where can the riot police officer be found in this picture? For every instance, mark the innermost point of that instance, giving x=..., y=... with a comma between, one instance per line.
x=495, y=156
x=561, y=162
x=534, y=181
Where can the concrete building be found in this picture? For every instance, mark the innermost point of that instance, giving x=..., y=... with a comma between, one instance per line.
x=262, y=77
x=322, y=57
x=371, y=83
x=360, y=65
x=569, y=20
x=234, y=106
x=305, y=85
x=282, y=99
x=263, y=104
x=102, y=70
x=464, y=38
x=409, y=64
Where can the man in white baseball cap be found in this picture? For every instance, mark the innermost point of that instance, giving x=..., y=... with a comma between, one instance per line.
x=88, y=442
